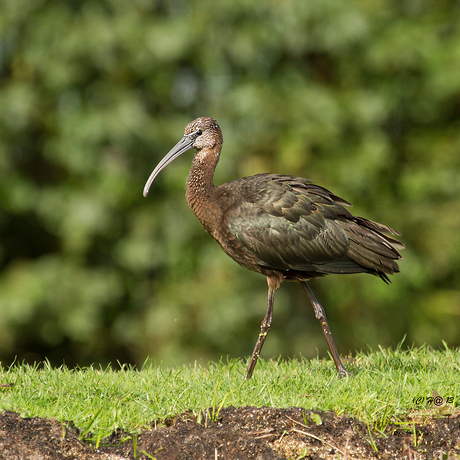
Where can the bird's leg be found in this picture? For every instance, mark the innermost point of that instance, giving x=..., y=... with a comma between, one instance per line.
x=264, y=328
x=321, y=317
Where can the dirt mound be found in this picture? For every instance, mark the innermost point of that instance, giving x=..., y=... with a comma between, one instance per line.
x=235, y=433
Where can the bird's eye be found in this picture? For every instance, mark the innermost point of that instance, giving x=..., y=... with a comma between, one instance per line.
x=199, y=132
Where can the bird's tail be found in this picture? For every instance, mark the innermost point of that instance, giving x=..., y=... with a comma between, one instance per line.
x=371, y=248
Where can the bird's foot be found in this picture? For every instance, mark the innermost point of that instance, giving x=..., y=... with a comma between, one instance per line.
x=344, y=373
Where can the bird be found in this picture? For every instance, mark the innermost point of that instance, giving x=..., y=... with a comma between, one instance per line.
x=282, y=226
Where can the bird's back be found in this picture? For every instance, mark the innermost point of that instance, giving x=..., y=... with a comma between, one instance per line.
x=290, y=225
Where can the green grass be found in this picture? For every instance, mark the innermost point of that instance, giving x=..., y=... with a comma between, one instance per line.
x=100, y=400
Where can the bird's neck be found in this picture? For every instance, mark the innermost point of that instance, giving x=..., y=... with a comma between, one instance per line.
x=200, y=187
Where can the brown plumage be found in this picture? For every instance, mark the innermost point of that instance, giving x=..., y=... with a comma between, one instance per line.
x=285, y=227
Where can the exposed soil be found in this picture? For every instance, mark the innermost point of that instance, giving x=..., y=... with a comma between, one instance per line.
x=237, y=434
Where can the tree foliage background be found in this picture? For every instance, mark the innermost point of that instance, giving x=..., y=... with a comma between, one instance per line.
x=362, y=96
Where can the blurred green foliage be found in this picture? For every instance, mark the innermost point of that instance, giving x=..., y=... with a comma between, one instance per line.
x=363, y=97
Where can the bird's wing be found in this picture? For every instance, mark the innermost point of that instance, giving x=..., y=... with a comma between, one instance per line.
x=288, y=223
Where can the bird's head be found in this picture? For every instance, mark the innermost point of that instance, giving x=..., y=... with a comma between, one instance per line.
x=206, y=132
x=203, y=134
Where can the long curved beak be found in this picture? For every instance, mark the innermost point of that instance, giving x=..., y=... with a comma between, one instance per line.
x=186, y=143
